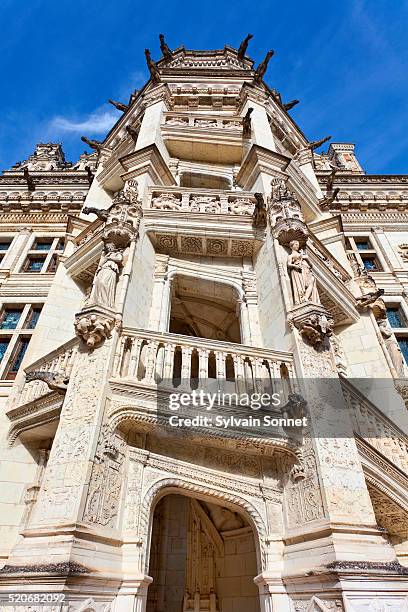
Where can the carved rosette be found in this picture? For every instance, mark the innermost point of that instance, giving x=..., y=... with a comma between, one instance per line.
x=313, y=322
x=285, y=214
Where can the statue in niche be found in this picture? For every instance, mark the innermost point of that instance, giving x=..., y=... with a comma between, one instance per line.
x=392, y=347
x=106, y=277
x=303, y=280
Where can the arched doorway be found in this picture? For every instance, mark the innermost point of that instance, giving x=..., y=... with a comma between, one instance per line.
x=202, y=558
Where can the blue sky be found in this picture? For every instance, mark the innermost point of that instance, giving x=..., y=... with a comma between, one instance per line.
x=346, y=61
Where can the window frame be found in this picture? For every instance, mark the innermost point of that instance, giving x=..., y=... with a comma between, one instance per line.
x=16, y=335
x=47, y=254
x=374, y=252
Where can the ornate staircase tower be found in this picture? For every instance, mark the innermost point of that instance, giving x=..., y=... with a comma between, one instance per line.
x=207, y=256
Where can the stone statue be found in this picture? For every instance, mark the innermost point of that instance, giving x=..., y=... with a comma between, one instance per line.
x=392, y=347
x=165, y=49
x=106, y=277
x=90, y=174
x=94, y=144
x=262, y=68
x=303, y=280
x=315, y=144
x=29, y=179
x=244, y=46
x=246, y=124
x=154, y=73
x=259, y=215
x=133, y=132
x=290, y=104
x=119, y=105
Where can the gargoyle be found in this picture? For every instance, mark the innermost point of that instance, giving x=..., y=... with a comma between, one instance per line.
x=369, y=298
x=244, y=46
x=94, y=144
x=315, y=144
x=329, y=198
x=263, y=66
x=290, y=105
x=154, y=73
x=259, y=215
x=119, y=105
x=56, y=381
x=103, y=215
x=165, y=49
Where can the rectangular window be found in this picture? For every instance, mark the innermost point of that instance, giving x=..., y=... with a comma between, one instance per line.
x=396, y=317
x=17, y=358
x=370, y=263
x=33, y=264
x=10, y=318
x=363, y=244
x=42, y=244
x=33, y=317
x=5, y=244
x=4, y=342
x=403, y=344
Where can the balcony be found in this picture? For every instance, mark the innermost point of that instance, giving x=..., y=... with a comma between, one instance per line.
x=181, y=220
x=203, y=137
x=172, y=361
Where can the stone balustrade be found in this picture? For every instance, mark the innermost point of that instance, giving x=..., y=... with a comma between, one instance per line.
x=55, y=367
x=179, y=199
x=202, y=122
x=173, y=360
x=378, y=431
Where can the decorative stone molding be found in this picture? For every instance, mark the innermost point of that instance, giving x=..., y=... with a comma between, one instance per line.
x=313, y=321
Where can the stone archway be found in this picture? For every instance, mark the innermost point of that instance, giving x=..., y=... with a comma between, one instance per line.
x=202, y=557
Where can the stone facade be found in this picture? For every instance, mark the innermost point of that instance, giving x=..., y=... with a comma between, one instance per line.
x=203, y=244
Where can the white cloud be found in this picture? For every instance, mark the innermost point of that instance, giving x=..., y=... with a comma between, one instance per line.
x=98, y=122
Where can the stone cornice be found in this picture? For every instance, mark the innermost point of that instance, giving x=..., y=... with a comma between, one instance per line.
x=147, y=160
x=260, y=160
x=344, y=177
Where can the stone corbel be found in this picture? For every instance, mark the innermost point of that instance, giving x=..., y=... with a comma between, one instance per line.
x=313, y=322
x=95, y=323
